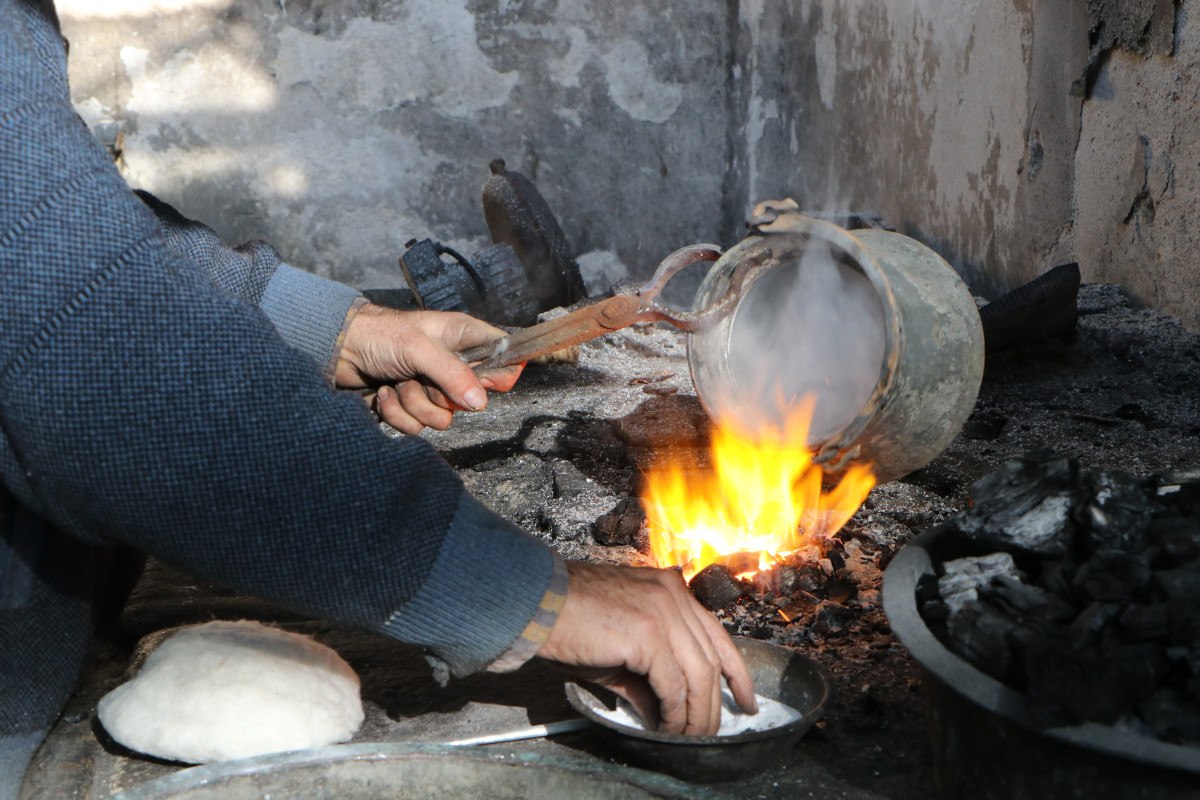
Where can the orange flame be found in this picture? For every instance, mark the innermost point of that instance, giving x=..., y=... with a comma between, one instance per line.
x=763, y=498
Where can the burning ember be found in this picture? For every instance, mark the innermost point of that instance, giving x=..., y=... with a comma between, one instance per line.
x=762, y=501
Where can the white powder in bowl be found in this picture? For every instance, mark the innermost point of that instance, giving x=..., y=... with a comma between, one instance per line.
x=771, y=714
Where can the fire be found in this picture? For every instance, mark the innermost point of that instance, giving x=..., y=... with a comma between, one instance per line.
x=762, y=500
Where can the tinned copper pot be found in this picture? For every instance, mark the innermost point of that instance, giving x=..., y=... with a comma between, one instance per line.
x=922, y=344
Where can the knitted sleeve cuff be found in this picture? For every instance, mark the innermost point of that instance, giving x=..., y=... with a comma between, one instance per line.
x=310, y=312
x=538, y=630
x=488, y=582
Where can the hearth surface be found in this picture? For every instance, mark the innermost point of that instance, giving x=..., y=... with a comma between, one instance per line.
x=567, y=446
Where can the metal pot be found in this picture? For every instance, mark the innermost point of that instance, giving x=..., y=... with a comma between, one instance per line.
x=985, y=743
x=923, y=346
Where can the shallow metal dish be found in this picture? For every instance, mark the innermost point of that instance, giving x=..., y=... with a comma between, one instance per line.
x=779, y=673
x=413, y=772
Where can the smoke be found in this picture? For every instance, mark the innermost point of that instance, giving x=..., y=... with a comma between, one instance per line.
x=808, y=328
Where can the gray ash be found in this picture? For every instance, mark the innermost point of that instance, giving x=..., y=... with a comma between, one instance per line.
x=1080, y=590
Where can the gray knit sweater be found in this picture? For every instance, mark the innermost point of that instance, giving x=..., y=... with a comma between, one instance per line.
x=147, y=401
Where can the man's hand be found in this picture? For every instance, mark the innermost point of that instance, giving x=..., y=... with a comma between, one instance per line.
x=411, y=359
x=640, y=633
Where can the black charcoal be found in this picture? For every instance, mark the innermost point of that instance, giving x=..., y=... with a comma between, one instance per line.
x=716, y=588
x=980, y=634
x=621, y=525
x=840, y=590
x=1172, y=715
x=832, y=618
x=1180, y=585
x=1112, y=576
x=1116, y=516
x=963, y=577
x=1108, y=629
x=1025, y=506
x=1023, y=601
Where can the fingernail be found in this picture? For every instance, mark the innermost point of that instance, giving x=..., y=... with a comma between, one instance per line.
x=383, y=392
x=476, y=398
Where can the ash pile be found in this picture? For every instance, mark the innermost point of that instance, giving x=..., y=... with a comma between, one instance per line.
x=1080, y=590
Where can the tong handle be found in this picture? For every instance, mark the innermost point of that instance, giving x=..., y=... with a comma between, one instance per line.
x=547, y=337
x=614, y=313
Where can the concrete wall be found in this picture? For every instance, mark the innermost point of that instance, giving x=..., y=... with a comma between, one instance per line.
x=1011, y=135
x=339, y=130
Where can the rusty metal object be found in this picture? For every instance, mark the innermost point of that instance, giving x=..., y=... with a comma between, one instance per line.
x=1045, y=308
x=518, y=215
x=491, y=285
x=932, y=361
x=618, y=311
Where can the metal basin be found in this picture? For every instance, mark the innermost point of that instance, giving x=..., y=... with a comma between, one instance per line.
x=779, y=673
x=985, y=746
x=414, y=772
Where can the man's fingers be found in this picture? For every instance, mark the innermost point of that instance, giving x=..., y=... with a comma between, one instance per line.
x=418, y=405
x=671, y=687
x=733, y=666
x=637, y=692
x=501, y=379
x=389, y=409
x=448, y=373
x=700, y=661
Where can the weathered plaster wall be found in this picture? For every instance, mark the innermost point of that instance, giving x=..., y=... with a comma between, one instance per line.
x=1011, y=135
x=338, y=131
x=923, y=111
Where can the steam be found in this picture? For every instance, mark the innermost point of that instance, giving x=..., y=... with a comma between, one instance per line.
x=812, y=327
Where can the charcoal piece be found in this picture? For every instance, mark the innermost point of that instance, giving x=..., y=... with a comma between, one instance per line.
x=1058, y=576
x=934, y=611
x=780, y=579
x=1193, y=662
x=1029, y=604
x=1180, y=585
x=840, y=590
x=1177, y=538
x=963, y=577
x=927, y=588
x=1113, y=576
x=1094, y=619
x=1143, y=623
x=788, y=579
x=1098, y=680
x=1025, y=505
x=1179, y=489
x=980, y=634
x=832, y=619
x=1172, y=715
x=621, y=525
x=1116, y=514
x=716, y=588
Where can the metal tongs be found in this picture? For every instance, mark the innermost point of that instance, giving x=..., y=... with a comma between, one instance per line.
x=613, y=313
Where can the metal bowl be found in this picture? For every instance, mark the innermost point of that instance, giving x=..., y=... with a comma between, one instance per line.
x=985, y=743
x=414, y=772
x=779, y=673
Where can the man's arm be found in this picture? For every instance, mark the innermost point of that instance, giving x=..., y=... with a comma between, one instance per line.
x=140, y=404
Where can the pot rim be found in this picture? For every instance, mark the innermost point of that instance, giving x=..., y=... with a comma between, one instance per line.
x=839, y=446
x=900, y=579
